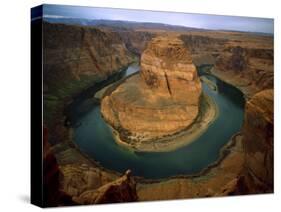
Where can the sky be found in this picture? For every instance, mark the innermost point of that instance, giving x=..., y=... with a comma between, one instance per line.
x=237, y=23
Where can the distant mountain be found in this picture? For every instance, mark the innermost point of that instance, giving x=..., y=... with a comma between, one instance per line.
x=119, y=24
x=123, y=25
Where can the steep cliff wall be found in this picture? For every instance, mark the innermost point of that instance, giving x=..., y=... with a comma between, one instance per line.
x=135, y=40
x=75, y=58
x=203, y=48
x=258, y=143
x=242, y=59
x=254, y=66
x=74, y=54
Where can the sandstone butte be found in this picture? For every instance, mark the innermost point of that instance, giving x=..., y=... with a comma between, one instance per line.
x=161, y=101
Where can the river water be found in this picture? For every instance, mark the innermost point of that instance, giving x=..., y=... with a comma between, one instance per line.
x=94, y=138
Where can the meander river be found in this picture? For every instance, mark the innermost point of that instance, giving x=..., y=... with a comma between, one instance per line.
x=95, y=139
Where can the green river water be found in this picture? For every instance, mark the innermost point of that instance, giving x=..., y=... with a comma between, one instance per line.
x=94, y=138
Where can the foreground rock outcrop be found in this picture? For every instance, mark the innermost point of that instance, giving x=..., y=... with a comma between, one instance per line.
x=258, y=143
x=85, y=182
x=52, y=195
x=121, y=190
x=163, y=100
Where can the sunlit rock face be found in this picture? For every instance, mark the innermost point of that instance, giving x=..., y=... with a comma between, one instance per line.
x=258, y=142
x=162, y=100
x=167, y=68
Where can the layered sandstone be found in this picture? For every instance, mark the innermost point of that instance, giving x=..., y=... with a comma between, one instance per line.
x=75, y=58
x=162, y=100
x=248, y=67
x=244, y=60
x=87, y=182
x=83, y=181
x=258, y=143
x=121, y=190
x=247, y=167
x=136, y=40
x=79, y=54
x=52, y=196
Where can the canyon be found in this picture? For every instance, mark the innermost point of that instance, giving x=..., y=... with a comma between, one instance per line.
x=247, y=169
x=75, y=58
x=162, y=100
x=78, y=57
x=73, y=53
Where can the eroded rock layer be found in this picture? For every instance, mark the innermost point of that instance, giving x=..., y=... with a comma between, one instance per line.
x=77, y=56
x=74, y=54
x=162, y=100
x=258, y=143
x=241, y=59
x=246, y=169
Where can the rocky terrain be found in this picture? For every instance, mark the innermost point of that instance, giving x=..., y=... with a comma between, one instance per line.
x=77, y=57
x=247, y=168
x=73, y=53
x=136, y=40
x=222, y=49
x=242, y=59
x=258, y=132
x=220, y=179
x=121, y=190
x=251, y=68
x=246, y=61
x=163, y=100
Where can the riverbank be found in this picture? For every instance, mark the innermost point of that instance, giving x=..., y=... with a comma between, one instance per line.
x=208, y=112
x=230, y=78
x=235, y=80
x=77, y=165
x=129, y=72
x=218, y=179
x=208, y=82
x=78, y=172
